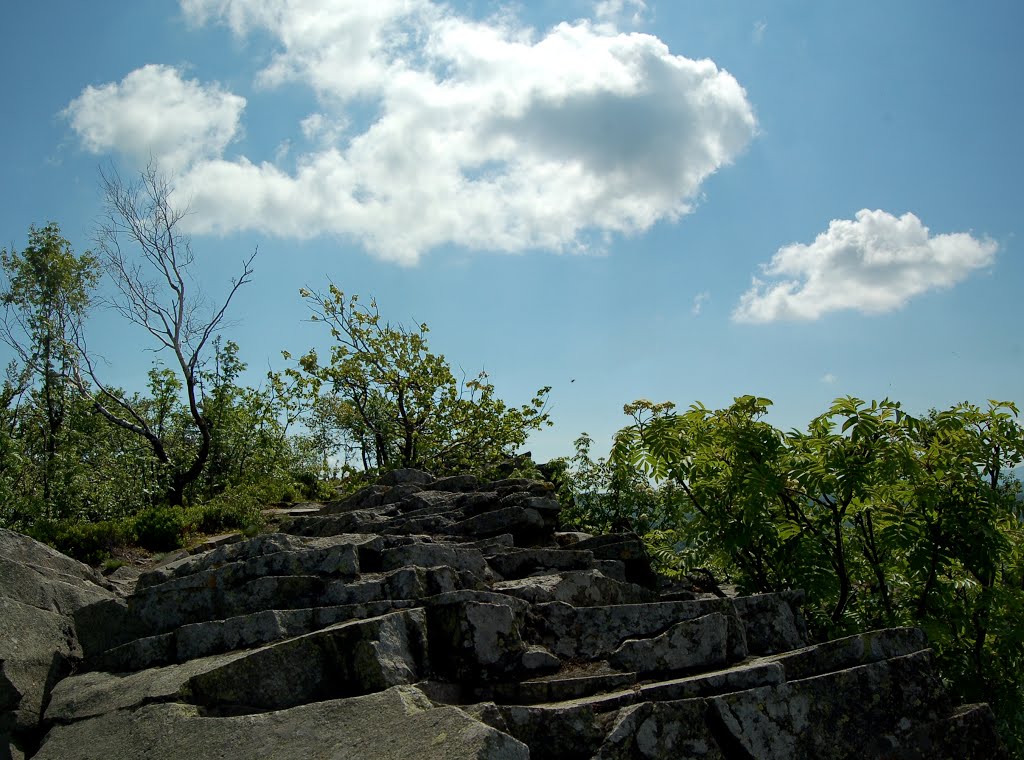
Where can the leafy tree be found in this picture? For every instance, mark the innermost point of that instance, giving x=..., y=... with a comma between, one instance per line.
x=608, y=497
x=397, y=404
x=156, y=294
x=253, y=443
x=45, y=299
x=884, y=518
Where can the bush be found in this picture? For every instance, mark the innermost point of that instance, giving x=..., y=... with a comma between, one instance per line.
x=160, y=528
x=90, y=543
x=237, y=508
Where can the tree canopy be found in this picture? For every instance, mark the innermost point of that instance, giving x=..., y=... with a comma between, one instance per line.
x=392, y=402
x=884, y=518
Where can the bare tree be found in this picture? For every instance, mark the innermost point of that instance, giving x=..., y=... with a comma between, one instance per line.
x=150, y=260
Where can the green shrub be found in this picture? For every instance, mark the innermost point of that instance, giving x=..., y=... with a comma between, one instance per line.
x=87, y=542
x=237, y=508
x=160, y=528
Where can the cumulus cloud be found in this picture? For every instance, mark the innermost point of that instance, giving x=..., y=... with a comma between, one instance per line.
x=829, y=379
x=155, y=112
x=434, y=128
x=873, y=264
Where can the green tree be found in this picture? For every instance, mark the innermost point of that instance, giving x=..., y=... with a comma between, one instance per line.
x=253, y=444
x=46, y=297
x=397, y=404
x=882, y=517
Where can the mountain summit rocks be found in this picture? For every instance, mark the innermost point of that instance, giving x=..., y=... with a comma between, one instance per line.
x=445, y=618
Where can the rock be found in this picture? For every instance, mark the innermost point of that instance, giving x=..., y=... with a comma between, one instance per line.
x=399, y=494
x=405, y=477
x=434, y=555
x=272, y=554
x=455, y=483
x=519, y=563
x=626, y=547
x=661, y=730
x=47, y=589
x=579, y=588
x=595, y=632
x=847, y=652
x=537, y=659
x=396, y=724
x=88, y=695
x=773, y=622
x=572, y=732
x=446, y=618
x=353, y=658
x=567, y=539
x=701, y=642
x=49, y=564
x=37, y=649
x=347, y=659
x=527, y=526
x=890, y=695
x=8, y=749
x=40, y=591
x=473, y=640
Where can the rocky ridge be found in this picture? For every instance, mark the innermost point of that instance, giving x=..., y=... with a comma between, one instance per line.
x=446, y=618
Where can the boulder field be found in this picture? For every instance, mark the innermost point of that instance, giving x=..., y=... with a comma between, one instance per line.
x=444, y=618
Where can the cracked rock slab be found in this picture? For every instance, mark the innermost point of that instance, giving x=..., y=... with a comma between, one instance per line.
x=37, y=648
x=867, y=710
x=347, y=659
x=397, y=724
x=40, y=589
x=660, y=730
x=595, y=632
x=701, y=642
x=580, y=588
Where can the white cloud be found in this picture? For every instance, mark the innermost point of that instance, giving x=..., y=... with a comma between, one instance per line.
x=872, y=264
x=829, y=379
x=437, y=129
x=283, y=149
x=698, y=302
x=155, y=112
x=612, y=13
x=322, y=129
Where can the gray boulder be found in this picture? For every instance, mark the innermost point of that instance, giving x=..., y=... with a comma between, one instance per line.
x=40, y=591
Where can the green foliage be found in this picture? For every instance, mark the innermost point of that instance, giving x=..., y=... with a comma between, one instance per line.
x=111, y=565
x=237, y=508
x=884, y=518
x=89, y=542
x=160, y=528
x=253, y=445
x=46, y=294
x=386, y=401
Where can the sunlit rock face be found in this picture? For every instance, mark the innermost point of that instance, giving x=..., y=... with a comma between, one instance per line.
x=445, y=618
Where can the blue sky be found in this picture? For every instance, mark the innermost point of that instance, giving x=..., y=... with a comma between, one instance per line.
x=670, y=200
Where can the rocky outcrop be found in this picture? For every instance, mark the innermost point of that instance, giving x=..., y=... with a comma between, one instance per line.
x=40, y=590
x=448, y=618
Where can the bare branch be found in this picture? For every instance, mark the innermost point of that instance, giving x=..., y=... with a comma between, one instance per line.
x=154, y=283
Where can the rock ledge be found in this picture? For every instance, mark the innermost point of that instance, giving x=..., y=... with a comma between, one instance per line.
x=445, y=618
